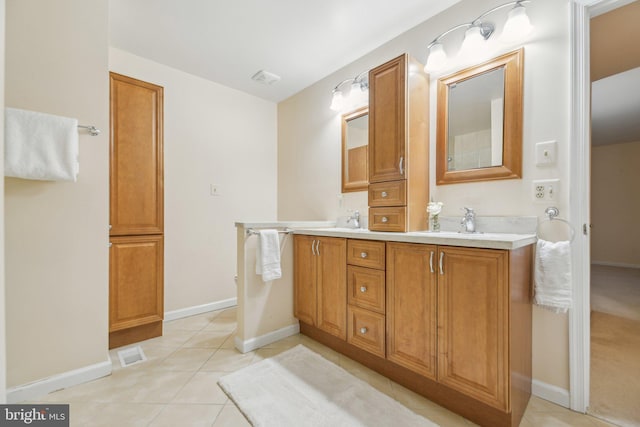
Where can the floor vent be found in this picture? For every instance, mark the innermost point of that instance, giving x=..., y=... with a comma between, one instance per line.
x=131, y=356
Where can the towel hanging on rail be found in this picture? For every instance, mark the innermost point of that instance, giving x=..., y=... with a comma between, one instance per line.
x=268, y=255
x=40, y=146
x=552, y=275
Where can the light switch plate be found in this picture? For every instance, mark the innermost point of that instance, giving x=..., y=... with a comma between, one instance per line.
x=546, y=153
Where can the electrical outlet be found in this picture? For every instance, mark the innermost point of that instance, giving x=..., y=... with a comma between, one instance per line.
x=546, y=190
x=215, y=189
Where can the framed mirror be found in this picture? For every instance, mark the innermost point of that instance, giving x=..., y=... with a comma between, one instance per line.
x=355, y=140
x=479, y=122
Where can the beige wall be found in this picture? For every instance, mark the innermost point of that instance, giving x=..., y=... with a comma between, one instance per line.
x=309, y=145
x=3, y=335
x=56, y=232
x=615, y=237
x=212, y=135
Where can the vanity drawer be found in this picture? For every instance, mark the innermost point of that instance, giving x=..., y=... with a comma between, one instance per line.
x=388, y=219
x=365, y=329
x=366, y=253
x=391, y=193
x=366, y=288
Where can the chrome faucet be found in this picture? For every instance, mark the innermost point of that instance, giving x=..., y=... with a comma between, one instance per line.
x=355, y=218
x=468, y=221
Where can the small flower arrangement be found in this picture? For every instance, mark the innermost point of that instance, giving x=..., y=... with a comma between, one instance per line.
x=434, y=209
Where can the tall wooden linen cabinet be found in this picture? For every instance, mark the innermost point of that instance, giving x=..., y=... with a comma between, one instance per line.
x=398, y=146
x=136, y=229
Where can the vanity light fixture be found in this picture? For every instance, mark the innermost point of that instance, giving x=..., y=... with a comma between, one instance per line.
x=479, y=31
x=356, y=96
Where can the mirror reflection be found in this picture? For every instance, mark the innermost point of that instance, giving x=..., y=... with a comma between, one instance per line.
x=355, y=140
x=476, y=115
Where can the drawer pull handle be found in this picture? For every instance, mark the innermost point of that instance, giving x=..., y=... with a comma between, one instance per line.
x=441, y=263
x=384, y=194
x=363, y=330
x=384, y=219
x=363, y=255
x=363, y=289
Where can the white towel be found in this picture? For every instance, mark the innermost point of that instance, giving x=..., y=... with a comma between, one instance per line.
x=552, y=275
x=268, y=255
x=40, y=146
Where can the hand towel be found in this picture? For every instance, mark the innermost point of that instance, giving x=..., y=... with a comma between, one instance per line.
x=268, y=255
x=40, y=146
x=552, y=275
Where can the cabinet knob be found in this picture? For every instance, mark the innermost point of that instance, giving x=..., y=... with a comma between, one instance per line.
x=384, y=219
x=384, y=194
x=363, y=255
x=363, y=289
x=363, y=330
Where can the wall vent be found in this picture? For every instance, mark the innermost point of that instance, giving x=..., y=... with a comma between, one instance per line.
x=265, y=77
x=131, y=356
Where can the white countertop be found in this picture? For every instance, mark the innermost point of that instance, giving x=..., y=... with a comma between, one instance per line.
x=449, y=238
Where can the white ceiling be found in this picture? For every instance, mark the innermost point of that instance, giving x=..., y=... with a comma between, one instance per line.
x=615, y=108
x=229, y=41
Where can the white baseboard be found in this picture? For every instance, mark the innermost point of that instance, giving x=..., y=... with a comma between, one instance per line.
x=266, y=339
x=552, y=393
x=199, y=309
x=615, y=264
x=37, y=389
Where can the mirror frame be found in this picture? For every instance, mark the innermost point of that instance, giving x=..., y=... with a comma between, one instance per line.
x=348, y=187
x=511, y=168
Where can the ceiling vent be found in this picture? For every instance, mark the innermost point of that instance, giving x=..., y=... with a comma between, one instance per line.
x=265, y=77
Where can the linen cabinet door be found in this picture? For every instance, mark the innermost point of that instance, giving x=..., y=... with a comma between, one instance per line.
x=332, y=286
x=411, y=307
x=135, y=283
x=473, y=319
x=304, y=281
x=387, y=129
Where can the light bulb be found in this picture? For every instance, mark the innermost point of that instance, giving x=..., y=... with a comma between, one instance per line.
x=337, y=100
x=473, y=43
x=437, y=58
x=518, y=25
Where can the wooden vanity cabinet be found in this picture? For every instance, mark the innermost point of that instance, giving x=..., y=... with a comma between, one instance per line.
x=320, y=285
x=450, y=323
x=398, y=144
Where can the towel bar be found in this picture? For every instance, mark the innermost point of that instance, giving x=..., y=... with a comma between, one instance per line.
x=252, y=232
x=93, y=131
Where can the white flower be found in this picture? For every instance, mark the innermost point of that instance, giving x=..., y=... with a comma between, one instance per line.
x=434, y=208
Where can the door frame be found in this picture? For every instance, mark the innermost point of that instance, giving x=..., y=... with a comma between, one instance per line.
x=580, y=173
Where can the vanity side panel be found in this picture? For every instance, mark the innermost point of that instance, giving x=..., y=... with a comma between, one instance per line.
x=418, y=147
x=520, y=278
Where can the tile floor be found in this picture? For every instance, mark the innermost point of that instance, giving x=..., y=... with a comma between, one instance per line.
x=177, y=385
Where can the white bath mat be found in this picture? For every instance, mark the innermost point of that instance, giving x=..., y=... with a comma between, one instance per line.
x=301, y=388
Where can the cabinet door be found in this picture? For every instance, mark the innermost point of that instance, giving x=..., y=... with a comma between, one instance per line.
x=136, y=164
x=304, y=288
x=473, y=323
x=411, y=307
x=387, y=130
x=135, y=281
x=332, y=286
